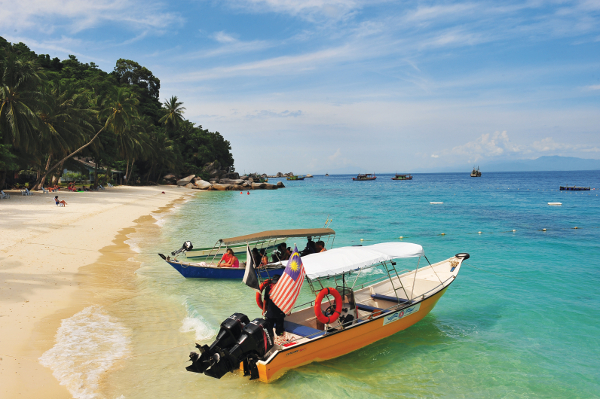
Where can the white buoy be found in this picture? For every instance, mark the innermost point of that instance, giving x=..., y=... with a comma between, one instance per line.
x=555, y=203
x=362, y=239
x=436, y=202
x=479, y=232
x=401, y=237
x=543, y=229
x=514, y=230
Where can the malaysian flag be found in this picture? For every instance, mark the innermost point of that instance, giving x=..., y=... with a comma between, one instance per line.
x=286, y=291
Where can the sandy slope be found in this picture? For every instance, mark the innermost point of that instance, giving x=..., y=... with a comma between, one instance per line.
x=40, y=254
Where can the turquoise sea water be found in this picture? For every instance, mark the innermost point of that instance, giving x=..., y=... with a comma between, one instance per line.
x=521, y=320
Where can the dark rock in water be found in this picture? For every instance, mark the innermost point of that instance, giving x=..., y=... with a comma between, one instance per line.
x=185, y=180
x=236, y=187
x=270, y=186
x=258, y=186
x=280, y=184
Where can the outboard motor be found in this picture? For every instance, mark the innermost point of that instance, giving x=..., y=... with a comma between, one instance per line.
x=187, y=246
x=224, y=355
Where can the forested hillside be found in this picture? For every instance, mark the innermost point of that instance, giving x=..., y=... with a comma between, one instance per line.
x=52, y=111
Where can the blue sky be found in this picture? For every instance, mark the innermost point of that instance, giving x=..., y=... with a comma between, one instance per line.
x=351, y=86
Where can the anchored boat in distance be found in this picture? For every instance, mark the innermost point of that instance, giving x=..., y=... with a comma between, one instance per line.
x=363, y=177
x=402, y=177
x=476, y=172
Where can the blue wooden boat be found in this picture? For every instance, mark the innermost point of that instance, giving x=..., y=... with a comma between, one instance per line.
x=195, y=270
x=267, y=240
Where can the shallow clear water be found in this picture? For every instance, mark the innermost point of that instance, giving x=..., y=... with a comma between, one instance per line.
x=521, y=320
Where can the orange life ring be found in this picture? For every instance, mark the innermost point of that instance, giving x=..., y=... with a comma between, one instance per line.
x=259, y=300
x=338, y=305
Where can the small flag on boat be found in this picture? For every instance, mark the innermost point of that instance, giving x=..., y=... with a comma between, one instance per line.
x=250, y=278
x=286, y=291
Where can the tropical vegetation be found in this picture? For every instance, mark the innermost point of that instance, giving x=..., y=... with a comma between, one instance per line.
x=55, y=113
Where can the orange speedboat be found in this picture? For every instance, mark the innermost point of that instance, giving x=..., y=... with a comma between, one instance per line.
x=362, y=310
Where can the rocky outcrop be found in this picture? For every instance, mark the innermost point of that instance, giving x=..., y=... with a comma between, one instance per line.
x=231, y=181
x=185, y=180
x=189, y=185
x=280, y=184
x=201, y=184
x=170, y=178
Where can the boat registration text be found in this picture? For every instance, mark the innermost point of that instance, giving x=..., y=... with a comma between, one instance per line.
x=401, y=314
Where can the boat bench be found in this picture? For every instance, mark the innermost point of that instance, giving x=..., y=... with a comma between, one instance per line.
x=303, y=331
x=389, y=298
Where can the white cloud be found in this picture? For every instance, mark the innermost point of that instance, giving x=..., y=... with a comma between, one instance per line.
x=223, y=37
x=306, y=9
x=434, y=156
x=593, y=87
x=77, y=15
x=499, y=145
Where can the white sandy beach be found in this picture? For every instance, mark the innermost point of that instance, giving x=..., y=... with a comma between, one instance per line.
x=42, y=248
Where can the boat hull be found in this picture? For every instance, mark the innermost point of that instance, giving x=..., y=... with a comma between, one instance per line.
x=232, y=273
x=345, y=341
x=355, y=179
x=574, y=188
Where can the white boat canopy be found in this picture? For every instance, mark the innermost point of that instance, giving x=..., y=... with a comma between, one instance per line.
x=341, y=260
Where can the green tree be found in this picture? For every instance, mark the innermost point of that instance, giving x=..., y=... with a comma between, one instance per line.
x=19, y=100
x=172, y=113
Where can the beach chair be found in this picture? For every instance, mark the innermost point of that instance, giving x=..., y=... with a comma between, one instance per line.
x=110, y=185
x=26, y=192
x=3, y=195
x=44, y=190
x=100, y=187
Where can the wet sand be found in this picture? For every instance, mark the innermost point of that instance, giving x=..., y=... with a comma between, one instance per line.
x=50, y=258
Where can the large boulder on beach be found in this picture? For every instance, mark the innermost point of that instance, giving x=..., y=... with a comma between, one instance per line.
x=201, y=184
x=244, y=177
x=189, y=185
x=280, y=184
x=231, y=181
x=246, y=184
x=221, y=187
x=185, y=180
x=270, y=186
x=259, y=186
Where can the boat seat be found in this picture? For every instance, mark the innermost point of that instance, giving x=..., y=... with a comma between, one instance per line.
x=389, y=298
x=303, y=331
x=360, y=306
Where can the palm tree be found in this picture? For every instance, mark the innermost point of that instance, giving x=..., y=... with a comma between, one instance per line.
x=19, y=100
x=118, y=110
x=173, y=113
x=66, y=121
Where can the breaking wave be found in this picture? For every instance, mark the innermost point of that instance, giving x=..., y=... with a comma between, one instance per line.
x=87, y=345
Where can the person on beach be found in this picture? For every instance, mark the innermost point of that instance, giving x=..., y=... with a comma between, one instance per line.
x=320, y=246
x=59, y=202
x=229, y=259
